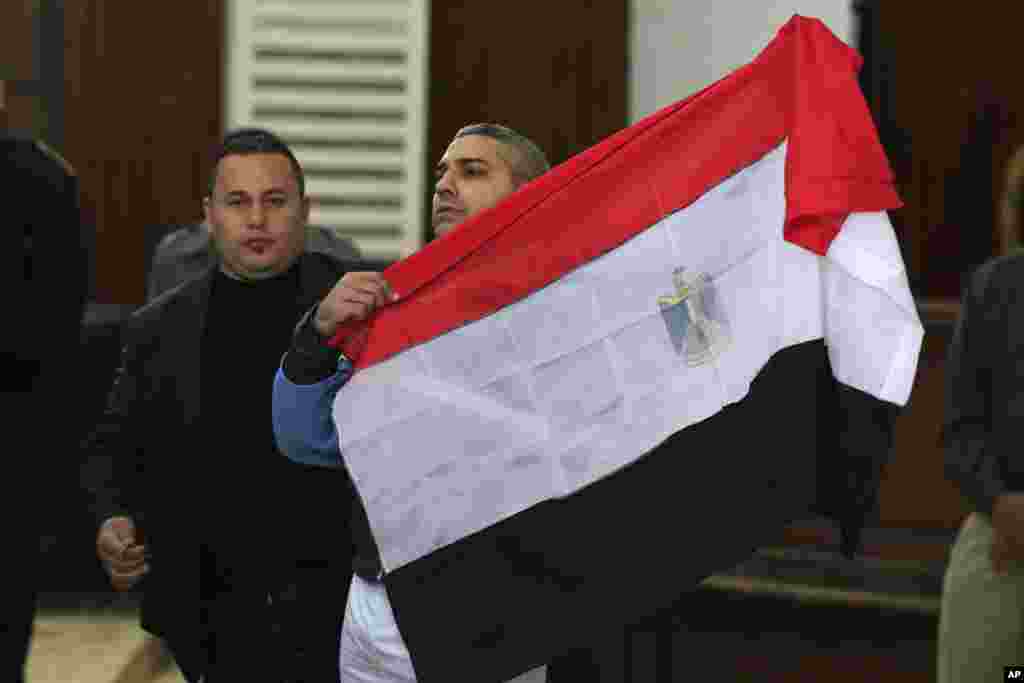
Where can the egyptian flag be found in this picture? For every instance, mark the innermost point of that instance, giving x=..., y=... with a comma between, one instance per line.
x=636, y=369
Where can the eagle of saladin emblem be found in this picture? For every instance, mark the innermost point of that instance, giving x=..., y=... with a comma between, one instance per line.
x=695, y=330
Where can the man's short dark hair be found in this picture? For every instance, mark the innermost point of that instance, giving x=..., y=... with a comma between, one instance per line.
x=531, y=161
x=255, y=141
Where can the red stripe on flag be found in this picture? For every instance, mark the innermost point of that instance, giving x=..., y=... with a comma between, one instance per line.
x=802, y=87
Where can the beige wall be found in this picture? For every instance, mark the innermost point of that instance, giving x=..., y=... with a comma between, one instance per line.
x=678, y=47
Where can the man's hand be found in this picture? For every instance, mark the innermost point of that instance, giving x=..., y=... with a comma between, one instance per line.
x=355, y=297
x=1008, y=528
x=122, y=557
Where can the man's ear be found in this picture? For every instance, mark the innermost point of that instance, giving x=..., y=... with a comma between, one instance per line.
x=306, y=205
x=206, y=210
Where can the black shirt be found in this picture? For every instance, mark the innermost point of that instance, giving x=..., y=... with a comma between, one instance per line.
x=248, y=325
x=308, y=361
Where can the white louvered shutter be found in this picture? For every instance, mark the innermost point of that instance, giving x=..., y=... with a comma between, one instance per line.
x=343, y=82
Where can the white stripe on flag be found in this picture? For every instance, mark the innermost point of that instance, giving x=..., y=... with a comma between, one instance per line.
x=588, y=374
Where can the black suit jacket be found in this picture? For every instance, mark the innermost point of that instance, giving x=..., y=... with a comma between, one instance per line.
x=42, y=239
x=45, y=241
x=145, y=458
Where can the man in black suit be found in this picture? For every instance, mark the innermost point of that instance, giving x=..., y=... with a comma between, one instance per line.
x=484, y=164
x=44, y=241
x=195, y=506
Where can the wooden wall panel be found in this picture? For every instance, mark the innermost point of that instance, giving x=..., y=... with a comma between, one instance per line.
x=22, y=112
x=558, y=77
x=956, y=94
x=143, y=94
x=19, y=102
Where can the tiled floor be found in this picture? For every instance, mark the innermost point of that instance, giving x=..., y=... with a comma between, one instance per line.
x=95, y=647
x=858, y=620
x=109, y=647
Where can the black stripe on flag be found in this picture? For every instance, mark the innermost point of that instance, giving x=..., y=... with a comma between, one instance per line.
x=514, y=595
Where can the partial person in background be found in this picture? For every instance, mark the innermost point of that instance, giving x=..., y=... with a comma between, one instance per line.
x=195, y=506
x=44, y=240
x=188, y=251
x=981, y=625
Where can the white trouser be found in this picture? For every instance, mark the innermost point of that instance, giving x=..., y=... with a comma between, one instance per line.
x=372, y=649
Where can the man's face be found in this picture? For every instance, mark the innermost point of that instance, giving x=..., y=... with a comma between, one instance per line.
x=256, y=216
x=473, y=174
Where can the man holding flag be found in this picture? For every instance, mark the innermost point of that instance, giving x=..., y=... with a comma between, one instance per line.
x=572, y=408
x=484, y=164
